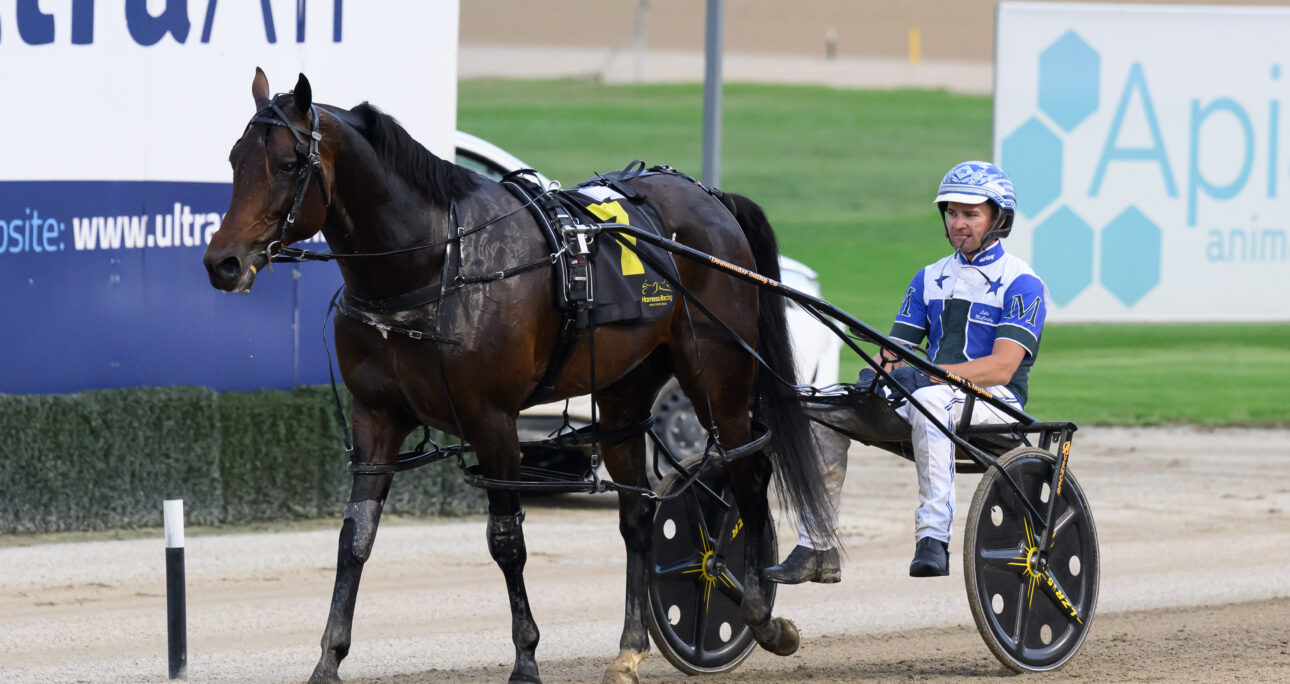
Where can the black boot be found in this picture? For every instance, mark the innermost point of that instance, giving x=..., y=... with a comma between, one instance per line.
x=931, y=558
x=805, y=564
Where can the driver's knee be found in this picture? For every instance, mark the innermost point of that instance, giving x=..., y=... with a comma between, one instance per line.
x=939, y=402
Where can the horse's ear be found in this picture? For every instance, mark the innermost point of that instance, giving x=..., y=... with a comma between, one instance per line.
x=260, y=89
x=303, y=96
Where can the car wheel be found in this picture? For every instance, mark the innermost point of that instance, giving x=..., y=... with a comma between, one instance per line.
x=678, y=428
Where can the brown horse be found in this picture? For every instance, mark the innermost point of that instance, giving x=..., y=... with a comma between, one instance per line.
x=388, y=208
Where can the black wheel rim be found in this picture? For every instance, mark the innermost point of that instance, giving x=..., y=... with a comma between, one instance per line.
x=1037, y=603
x=696, y=576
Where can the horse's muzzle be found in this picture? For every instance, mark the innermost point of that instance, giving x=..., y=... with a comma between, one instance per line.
x=230, y=273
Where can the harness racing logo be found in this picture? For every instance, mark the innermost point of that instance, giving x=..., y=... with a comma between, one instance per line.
x=1148, y=175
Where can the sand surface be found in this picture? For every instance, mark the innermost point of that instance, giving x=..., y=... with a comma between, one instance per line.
x=1194, y=528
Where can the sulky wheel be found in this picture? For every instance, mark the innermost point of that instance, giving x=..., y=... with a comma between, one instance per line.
x=1032, y=606
x=696, y=574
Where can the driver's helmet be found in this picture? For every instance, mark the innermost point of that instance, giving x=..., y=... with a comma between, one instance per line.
x=974, y=182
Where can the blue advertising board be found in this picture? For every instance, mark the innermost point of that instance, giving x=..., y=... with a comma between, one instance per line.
x=104, y=287
x=114, y=175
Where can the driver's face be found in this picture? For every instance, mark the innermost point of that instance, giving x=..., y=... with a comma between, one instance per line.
x=967, y=224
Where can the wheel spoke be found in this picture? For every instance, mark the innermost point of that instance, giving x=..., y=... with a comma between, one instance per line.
x=729, y=518
x=1025, y=596
x=686, y=568
x=730, y=586
x=1063, y=521
x=700, y=622
x=1016, y=620
x=702, y=532
x=1063, y=600
x=1011, y=559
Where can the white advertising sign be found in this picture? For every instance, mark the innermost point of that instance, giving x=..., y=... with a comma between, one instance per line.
x=1147, y=149
x=160, y=89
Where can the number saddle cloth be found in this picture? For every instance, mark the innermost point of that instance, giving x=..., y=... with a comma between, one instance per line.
x=606, y=277
x=613, y=277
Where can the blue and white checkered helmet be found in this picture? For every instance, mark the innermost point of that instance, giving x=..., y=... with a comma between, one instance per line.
x=974, y=182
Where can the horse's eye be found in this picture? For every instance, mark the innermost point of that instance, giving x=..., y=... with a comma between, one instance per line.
x=288, y=167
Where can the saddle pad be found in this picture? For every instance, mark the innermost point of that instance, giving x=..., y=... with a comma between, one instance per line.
x=626, y=287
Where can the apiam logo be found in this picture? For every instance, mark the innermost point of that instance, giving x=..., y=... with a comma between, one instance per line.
x=37, y=28
x=1069, y=83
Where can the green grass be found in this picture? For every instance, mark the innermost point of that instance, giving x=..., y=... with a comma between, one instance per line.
x=847, y=178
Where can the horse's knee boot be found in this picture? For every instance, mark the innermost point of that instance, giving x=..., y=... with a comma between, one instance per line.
x=365, y=516
x=506, y=546
x=506, y=541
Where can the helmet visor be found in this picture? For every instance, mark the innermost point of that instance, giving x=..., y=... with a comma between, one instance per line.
x=960, y=197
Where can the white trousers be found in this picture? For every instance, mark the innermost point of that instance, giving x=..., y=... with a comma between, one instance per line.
x=933, y=456
x=934, y=452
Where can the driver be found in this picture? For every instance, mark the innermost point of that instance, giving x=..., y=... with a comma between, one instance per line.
x=981, y=311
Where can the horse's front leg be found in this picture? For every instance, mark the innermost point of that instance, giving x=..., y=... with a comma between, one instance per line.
x=623, y=404
x=376, y=440
x=625, y=461
x=751, y=478
x=498, y=450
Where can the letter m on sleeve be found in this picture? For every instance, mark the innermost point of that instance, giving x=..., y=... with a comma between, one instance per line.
x=1024, y=313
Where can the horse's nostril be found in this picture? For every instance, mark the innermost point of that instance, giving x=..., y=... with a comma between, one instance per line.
x=228, y=268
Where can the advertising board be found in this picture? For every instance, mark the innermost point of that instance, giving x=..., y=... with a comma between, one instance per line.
x=114, y=174
x=1146, y=147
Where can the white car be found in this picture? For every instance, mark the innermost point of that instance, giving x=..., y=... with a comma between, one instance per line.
x=815, y=348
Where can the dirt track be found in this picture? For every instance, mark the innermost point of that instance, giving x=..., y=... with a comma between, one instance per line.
x=1194, y=529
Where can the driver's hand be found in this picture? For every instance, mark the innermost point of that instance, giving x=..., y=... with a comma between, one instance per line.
x=867, y=377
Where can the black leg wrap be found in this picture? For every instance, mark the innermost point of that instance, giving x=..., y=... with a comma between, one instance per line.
x=365, y=515
x=506, y=545
x=506, y=540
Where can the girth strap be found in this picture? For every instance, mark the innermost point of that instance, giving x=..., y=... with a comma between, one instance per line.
x=575, y=318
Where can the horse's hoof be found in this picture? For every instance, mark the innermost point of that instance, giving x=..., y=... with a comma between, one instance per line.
x=324, y=675
x=519, y=677
x=783, y=639
x=623, y=669
x=619, y=677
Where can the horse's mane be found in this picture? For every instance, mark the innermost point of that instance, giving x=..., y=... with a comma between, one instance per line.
x=438, y=181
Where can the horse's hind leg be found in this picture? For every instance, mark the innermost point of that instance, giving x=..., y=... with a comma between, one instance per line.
x=377, y=439
x=498, y=449
x=750, y=476
x=623, y=404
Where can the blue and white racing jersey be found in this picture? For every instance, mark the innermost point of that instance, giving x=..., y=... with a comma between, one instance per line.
x=963, y=306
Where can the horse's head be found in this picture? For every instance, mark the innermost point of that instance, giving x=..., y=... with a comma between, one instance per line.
x=282, y=181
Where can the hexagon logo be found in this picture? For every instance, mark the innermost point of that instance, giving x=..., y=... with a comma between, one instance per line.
x=1032, y=155
x=1063, y=255
x=1069, y=79
x=1130, y=256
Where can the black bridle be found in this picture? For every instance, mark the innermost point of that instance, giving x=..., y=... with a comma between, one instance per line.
x=307, y=153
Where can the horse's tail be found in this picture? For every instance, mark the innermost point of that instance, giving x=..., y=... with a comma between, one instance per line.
x=799, y=473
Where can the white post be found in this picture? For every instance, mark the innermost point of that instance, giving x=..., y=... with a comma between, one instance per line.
x=176, y=610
